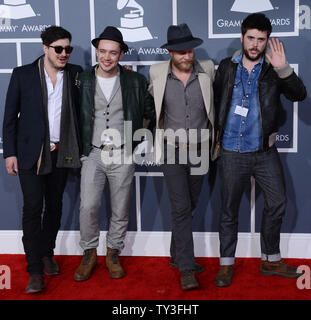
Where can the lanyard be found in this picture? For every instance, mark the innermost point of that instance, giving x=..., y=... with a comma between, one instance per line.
x=241, y=77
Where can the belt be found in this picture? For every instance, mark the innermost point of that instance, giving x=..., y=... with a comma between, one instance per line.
x=261, y=150
x=54, y=146
x=108, y=147
x=184, y=146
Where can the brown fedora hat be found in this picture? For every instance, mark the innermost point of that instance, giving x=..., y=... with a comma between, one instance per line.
x=180, y=38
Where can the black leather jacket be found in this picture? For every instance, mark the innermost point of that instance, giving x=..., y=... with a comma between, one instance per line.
x=270, y=88
x=138, y=104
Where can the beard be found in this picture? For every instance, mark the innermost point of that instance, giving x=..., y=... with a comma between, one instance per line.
x=183, y=66
x=254, y=58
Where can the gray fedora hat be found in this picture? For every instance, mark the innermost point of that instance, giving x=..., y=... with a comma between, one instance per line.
x=111, y=33
x=180, y=38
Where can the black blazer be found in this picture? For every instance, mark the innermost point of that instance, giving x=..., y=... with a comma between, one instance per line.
x=24, y=126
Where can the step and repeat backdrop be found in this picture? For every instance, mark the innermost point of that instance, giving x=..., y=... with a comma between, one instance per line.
x=144, y=24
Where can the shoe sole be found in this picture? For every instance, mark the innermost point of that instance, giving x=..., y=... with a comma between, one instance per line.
x=219, y=285
x=51, y=274
x=116, y=277
x=272, y=273
x=33, y=291
x=27, y=291
x=187, y=288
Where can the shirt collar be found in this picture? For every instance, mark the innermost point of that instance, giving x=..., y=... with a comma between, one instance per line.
x=238, y=59
x=59, y=74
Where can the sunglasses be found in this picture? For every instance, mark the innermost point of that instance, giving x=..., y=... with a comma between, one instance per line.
x=59, y=49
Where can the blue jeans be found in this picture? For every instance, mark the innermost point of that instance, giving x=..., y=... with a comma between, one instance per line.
x=236, y=170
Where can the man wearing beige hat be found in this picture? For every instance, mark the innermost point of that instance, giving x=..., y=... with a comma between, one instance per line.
x=109, y=96
x=183, y=92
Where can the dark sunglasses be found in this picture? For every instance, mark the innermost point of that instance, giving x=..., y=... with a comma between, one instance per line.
x=59, y=49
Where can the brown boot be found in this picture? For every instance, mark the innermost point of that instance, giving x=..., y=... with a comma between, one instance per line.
x=224, y=276
x=279, y=268
x=113, y=264
x=188, y=280
x=88, y=264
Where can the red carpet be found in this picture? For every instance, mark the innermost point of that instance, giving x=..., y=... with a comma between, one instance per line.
x=150, y=278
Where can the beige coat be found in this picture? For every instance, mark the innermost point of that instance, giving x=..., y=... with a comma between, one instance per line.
x=158, y=76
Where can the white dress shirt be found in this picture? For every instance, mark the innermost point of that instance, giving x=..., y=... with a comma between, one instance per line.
x=55, y=98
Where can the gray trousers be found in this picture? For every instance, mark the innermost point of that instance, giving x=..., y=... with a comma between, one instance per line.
x=94, y=175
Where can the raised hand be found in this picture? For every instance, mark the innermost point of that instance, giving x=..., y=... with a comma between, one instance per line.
x=277, y=57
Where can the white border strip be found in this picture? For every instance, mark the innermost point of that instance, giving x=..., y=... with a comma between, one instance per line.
x=175, y=13
x=294, y=148
x=25, y=40
x=57, y=12
x=92, y=30
x=19, y=54
x=6, y=70
x=138, y=203
x=296, y=245
x=253, y=205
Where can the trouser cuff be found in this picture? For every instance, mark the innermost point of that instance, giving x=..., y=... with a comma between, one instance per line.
x=271, y=257
x=227, y=261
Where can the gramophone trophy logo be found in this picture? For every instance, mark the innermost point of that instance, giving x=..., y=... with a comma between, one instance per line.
x=251, y=6
x=16, y=9
x=132, y=22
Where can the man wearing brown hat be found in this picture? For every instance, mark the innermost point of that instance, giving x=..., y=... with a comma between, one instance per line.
x=183, y=94
x=109, y=97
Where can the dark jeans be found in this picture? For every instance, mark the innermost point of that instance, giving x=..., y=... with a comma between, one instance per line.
x=236, y=170
x=39, y=233
x=184, y=191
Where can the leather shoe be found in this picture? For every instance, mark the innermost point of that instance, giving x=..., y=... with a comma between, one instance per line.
x=87, y=265
x=188, y=280
x=35, y=284
x=279, y=268
x=50, y=266
x=224, y=276
x=113, y=265
x=197, y=267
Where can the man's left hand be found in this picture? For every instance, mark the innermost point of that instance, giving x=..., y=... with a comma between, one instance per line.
x=277, y=57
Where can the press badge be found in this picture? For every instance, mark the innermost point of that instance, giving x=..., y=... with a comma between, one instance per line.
x=241, y=111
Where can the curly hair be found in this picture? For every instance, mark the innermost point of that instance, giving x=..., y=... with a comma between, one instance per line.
x=256, y=21
x=54, y=33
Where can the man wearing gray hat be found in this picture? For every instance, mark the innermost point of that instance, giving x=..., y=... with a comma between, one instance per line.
x=109, y=96
x=183, y=92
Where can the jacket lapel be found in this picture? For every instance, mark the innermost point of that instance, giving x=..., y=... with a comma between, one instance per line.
x=205, y=84
x=159, y=88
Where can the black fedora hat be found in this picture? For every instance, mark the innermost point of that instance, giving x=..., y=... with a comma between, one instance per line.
x=180, y=38
x=111, y=33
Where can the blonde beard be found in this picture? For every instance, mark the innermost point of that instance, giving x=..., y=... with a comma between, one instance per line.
x=183, y=66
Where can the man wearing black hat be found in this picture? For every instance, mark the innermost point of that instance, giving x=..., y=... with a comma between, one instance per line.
x=183, y=94
x=109, y=97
